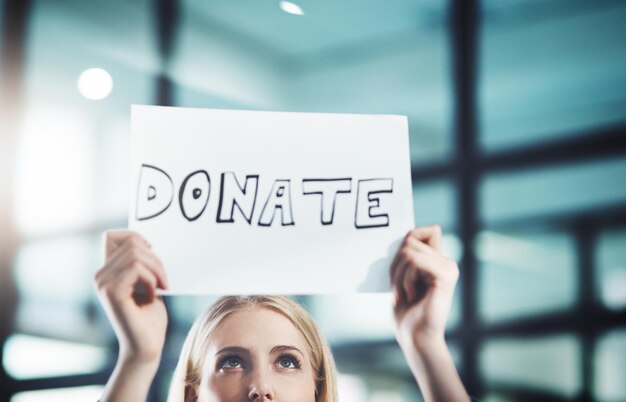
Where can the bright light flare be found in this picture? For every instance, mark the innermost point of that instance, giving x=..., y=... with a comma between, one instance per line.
x=95, y=83
x=28, y=356
x=55, y=176
x=291, y=8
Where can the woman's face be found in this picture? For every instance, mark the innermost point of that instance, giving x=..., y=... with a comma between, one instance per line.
x=257, y=355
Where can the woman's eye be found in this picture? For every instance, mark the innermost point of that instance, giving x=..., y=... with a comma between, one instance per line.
x=288, y=363
x=231, y=362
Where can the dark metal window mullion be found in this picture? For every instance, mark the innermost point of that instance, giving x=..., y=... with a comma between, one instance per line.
x=586, y=235
x=464, y=27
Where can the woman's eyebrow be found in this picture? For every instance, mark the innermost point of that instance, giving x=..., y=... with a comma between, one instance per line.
x=284, y=348
x=233, y=349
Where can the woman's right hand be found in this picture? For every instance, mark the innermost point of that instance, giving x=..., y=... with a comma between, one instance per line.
x=127, y=285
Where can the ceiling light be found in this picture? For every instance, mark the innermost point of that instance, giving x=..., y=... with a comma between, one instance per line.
x=291, y=8
x=95, y=83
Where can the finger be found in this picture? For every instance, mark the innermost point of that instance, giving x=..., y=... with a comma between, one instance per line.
x=120, y=264
x=410, y=241
x=397, y=280
x=432, y=267
x=397, y=299
x=395, y=264
x=409, y=283
x=117, y=259
x=110, y=268
x=430, y=235
x=398, y=261
x=154, y=264
x=418, y=245
x=395, y=261
x=135, y=253
x=113, y=239
x=407, y=244
x=409, y=273
x=138, y=283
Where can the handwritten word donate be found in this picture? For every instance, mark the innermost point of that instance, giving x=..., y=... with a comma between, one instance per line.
x=239, y=198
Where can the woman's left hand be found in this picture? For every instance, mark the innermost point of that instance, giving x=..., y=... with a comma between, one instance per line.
x=423, y=283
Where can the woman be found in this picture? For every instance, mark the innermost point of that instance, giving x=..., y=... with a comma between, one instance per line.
x=268, y=348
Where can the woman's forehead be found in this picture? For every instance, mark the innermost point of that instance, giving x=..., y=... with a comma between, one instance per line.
x=256, y=328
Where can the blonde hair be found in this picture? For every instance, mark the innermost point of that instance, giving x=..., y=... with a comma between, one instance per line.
x=189, y=368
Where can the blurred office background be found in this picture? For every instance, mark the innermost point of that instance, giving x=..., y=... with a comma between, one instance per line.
x=517, y=115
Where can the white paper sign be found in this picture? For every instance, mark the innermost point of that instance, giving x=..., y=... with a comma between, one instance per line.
x=240, y=202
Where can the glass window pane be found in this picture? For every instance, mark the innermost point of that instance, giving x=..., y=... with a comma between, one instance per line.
x=363, y=317
x=373, y=388
x=611, y=269
x=610, y=366
x=28, y=357
x=522, y=274
x=387, y=396
x=71, y=162
x=550, y=69
x=535, y=193
x=435, y=203
x=496, y=397
x=383, y=360
x=351, y=388
x=113, y=171
x=454, y=318
x=92, y=30
x=456, y=352
x=93, y=35
x=354, y=317
x=186, y=309
x=338, y=57
x=55, y=283
x=551, y=364
x=190, y=96
x=87, y=393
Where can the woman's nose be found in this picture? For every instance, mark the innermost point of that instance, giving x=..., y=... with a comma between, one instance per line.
x=261, y=389
x=256, y=397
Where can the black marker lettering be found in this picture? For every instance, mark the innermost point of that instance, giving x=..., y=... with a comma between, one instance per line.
x=279, y=199
x=368, y=200
x=194, y=194
x=155, y=192
x=328, y=190
x=233, y=195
